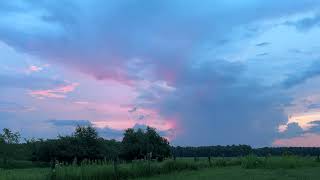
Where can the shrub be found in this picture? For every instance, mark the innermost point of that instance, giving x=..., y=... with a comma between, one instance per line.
x=220, y=162
x=282, y=162
x=251, y=162
x=233, y=162
x=289, y=162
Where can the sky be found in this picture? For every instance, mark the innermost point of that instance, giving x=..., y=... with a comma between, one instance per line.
x=200, y=72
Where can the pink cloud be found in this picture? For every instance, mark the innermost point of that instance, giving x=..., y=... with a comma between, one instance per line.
x=81, y=102
x=106, y=114
x=34, y=68
x=59, y=92
x=122, y=117
x=305, y=140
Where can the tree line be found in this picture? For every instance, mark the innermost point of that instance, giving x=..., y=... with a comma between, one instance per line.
x=242, y=150
x=86, y=144
x=212, y=151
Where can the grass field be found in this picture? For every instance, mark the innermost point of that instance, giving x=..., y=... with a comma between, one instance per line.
x=250, y=167
x=238, y=173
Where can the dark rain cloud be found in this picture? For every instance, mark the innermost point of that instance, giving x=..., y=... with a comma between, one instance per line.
x=215, y=104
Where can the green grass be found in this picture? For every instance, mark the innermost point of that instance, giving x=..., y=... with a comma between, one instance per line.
x=25, y=174
x=286, y=162
x=251, y=167
x=21, y=164
x=238, y=173
x=127, y=171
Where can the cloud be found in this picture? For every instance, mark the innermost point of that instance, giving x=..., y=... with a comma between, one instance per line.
x=62, y=122
x=28, y=82
x=111, y=133
x=34, y=68
x=302, y=76
x=305, y=23
x=215, y=103
x=300, y=51
x=163, y=35
x=263, y=44
x=305, y=140
x=82, y=102
x=314, y=106
x=59, y=92
x=163, y=49
x=315, y=127
x=263, y=54
x=69, y=125
x=11, y=107
x=134, y=109
x=295, y=136
x=169, y=133
x=106, y=132
x=304, y=120
x=292, y=130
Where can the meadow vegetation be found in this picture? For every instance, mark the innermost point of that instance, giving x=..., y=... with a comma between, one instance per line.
x=169, y=168
x=144, y=154
x=238, y=173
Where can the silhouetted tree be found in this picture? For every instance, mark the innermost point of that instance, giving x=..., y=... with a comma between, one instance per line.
x=84, y=143
x=139, y=144
x=7, y=141
x=9, y=137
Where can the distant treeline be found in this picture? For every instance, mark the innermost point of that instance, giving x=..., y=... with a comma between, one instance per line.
x=242, y=150
x=85, y=144
x=279, y=151
x=213, y=151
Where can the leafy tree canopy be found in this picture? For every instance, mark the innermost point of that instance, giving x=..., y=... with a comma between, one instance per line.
x=9, y=137
x=139, y=144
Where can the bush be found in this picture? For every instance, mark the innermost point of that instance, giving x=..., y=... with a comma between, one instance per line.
x=234, y=162
x=220, y=163
x=282, y=162
x=126, y=171
x=289, y=162
x=251, y=162
x=170, y=166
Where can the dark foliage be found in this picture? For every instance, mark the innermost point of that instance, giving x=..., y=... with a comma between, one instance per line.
x=83, y=144
x=279, y=151
x=141, y=144
x=213, y=151
x=242, y=150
